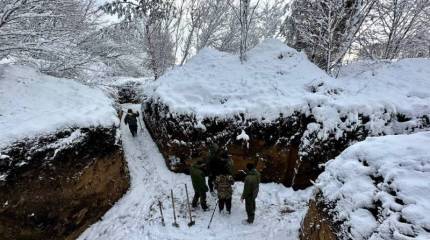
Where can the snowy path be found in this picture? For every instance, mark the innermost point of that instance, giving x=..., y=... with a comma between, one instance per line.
x=136, y=215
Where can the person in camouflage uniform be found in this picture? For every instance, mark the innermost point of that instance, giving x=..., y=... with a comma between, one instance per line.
x=131, y=120
x=223, y=185
x=199, y=184
x=250, y=191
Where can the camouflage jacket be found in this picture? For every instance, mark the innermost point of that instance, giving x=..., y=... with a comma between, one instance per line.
x=223, y=185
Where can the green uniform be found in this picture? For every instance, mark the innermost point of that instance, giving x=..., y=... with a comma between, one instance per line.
x=250, y=192
x=199, y=185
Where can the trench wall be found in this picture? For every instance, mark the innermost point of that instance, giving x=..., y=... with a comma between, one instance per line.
x=58, y=185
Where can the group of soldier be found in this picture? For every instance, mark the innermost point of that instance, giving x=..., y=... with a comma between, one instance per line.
x=220, y=170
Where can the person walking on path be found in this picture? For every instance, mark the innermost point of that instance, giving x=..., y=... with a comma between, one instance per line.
x=250, y=192
x=223, y=185
x=131, y=120
x=199, y=185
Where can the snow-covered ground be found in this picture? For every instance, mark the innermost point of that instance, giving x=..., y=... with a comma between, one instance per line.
x=32, y=103
x=388, y=175
x=136, y=216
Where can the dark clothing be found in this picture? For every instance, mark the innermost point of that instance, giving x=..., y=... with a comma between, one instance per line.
x=133, y=129
x=198, y=179
x=202, y=198
x=250, y=209
x=211, y=182
x=250, y=192
x=226, y=202
x=218, y=163
x=131, y=120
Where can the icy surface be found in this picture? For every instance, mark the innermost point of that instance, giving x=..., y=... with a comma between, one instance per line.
x=136, y=215
x=32, y=103
x=387, y=174
x=277, y=79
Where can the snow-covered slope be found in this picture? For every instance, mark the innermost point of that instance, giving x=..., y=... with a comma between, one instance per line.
x=277, y=79
x=380, y=188
x=32, y=103
x=214, y=83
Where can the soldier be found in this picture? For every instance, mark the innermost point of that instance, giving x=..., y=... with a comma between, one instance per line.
x=250, y=192
x=131, y=120
x=213, y=165
x=223, y=185
x=199, y=185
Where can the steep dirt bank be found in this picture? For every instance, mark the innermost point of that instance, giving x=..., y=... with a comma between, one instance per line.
x=317, y=224
x=288, y=150
x=57, y=185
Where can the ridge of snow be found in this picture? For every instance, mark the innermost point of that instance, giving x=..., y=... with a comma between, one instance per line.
x=277, y=79
x=214, y=83
x=390, y=173
x=32, y=103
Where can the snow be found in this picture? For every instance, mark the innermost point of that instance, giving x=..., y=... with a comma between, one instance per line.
x=243, y=136
x=214, y=83
x=389, y=172
x=277, y=79
x=136, y=216
x=32, y=103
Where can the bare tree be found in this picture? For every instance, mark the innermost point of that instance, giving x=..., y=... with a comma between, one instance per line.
x=326, y=29
x=245, y=15
x=400, y=28
x=47, y=33
x=156, y=18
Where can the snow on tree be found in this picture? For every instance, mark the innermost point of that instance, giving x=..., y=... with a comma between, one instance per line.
x=155, y=18
x=326, y=29
x=48, y=33
x=399, y=28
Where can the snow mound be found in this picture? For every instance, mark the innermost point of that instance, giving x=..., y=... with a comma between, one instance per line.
x=32, y=103
x=380, y=188
x=394, y=97
x=214, y=83
x=403, y=84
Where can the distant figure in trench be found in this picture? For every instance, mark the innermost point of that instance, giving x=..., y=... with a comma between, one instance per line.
x=223, y=185
x=199, y=184
x=131, y=120
x=250, y=192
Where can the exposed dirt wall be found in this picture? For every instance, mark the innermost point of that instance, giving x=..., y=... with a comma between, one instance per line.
x=59, y=190
x=317, y=224
x=287, y=150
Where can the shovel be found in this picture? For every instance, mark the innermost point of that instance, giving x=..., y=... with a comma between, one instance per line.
x=161, y=212
x=175, y=224
x=191, y=223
